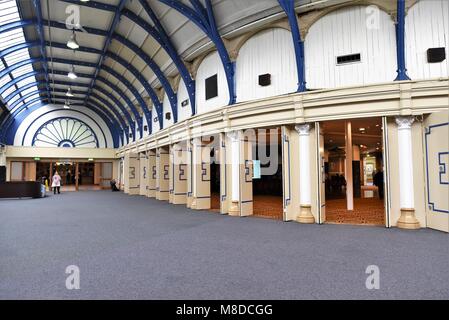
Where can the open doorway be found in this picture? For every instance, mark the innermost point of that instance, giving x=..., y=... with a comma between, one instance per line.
x=267, y=178
x=215, y=174
x=353, y=167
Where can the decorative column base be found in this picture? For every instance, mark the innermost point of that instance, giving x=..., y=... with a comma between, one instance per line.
x=193, y=203
x=305, y=214
x=234, y=209
x=408, y=220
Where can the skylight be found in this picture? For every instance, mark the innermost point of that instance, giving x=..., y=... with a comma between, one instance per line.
x=9, y=13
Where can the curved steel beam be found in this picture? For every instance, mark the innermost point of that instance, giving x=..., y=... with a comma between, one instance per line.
x=160, y=35
x=40, y=31
x=112, y=86
x=150, y=91
x=121, y=39
x=204, y=18
x=148, y=60
x=289, y=8
x=107, y=42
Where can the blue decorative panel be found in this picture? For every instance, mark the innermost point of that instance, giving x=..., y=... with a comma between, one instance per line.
x=65, y=133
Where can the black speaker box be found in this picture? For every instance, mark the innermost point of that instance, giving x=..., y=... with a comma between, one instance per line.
x=435, y=55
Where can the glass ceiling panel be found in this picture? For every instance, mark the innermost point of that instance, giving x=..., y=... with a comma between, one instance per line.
x=10, y=13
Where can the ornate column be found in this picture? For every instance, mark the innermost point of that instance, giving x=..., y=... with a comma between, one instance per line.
x=305, y=199
x=407, y=219
x=234, y=139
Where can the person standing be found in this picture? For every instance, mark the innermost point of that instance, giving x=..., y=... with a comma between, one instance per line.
x=378, y=180
x=56, y=183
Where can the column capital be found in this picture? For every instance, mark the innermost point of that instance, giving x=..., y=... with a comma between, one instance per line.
x=233, y=135
x=303, y=129
x=404, y=122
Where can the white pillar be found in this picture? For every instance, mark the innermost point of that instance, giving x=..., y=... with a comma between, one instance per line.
x=234, y=138
x=305, y=198
x=348, y=168
x=406, y=194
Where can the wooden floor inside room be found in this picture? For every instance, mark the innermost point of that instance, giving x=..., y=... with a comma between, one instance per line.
x=367, y=211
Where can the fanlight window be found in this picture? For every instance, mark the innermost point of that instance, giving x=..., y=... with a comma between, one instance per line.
x=65, y=133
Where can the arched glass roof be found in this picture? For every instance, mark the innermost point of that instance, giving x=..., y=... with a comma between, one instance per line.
x=9, y=13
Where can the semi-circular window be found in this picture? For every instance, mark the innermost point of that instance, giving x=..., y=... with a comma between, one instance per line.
x=65, y=133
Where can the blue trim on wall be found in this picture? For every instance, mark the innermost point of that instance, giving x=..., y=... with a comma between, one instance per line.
x=427, y=133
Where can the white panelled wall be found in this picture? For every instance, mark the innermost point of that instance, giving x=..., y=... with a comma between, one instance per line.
x=210, y=66
x=167, y=109
x=186, y=111
x=270, y=51
x=350, y=30
x=365, y=30
x=426, y=26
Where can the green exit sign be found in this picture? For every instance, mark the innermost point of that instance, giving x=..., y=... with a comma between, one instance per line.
x=37, y=159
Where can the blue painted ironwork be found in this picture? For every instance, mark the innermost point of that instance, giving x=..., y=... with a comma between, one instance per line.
x=65, y=132
x=204, y=18
x=108, y=105
x=108, y=83
x=107, y=42
x=17, y=80
x=7, y=134
x=157, y=104
x=43, y=50
x=159, y=34
x=128, y=66
x=16, y=25
x=289, y=8
x=400, y=42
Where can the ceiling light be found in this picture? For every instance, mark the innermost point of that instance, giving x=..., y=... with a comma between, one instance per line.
x=69, y=92
x=72, y=74
x=72, y=43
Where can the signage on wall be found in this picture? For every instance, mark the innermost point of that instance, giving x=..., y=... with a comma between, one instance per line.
x=37, y=159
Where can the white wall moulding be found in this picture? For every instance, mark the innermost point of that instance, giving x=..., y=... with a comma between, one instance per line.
x=352, y=102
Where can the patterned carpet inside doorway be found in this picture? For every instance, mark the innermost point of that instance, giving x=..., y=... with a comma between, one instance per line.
x=265, y=206
x=367, y=211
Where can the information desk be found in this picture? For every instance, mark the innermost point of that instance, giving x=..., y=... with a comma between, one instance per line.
x=22, y=189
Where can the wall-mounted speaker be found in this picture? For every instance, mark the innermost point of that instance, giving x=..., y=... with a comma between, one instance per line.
x=265, y=79
x=435, y=55
x=185, y=103
x=168, y=116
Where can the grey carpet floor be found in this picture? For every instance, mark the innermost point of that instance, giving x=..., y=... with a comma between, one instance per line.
x=131, y=247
